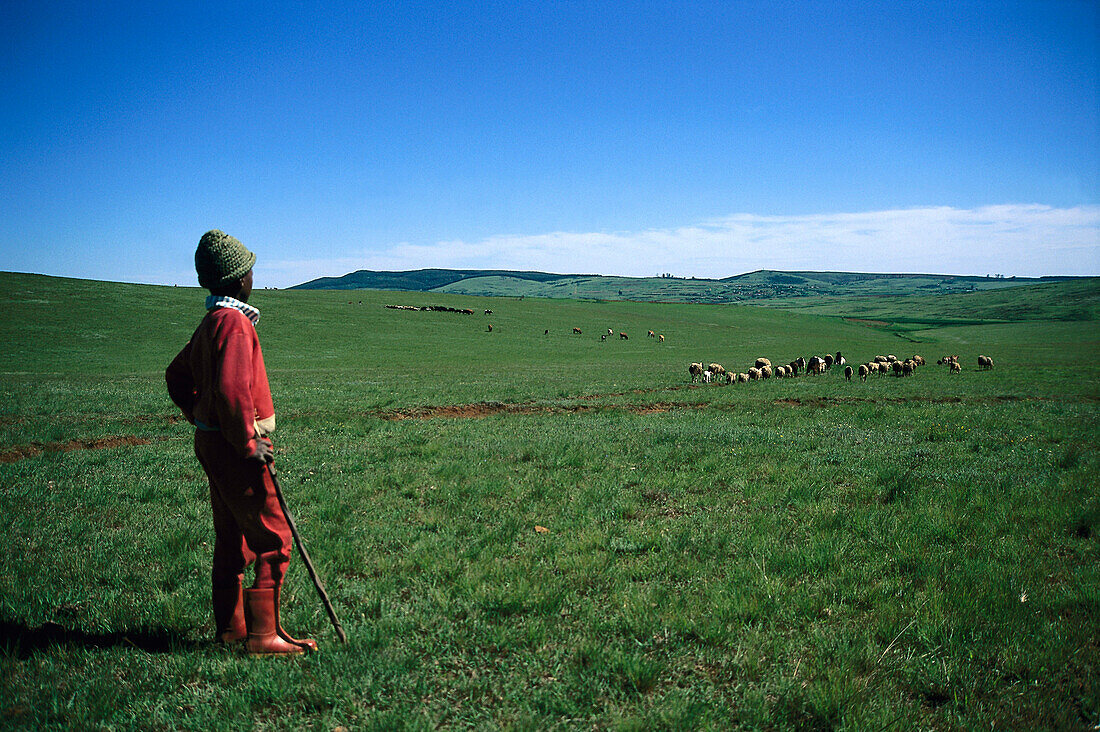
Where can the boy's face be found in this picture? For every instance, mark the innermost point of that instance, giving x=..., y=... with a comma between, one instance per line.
x=246, y=287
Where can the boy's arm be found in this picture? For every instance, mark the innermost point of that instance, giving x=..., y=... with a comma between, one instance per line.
x=181, y=386
x=236, y=412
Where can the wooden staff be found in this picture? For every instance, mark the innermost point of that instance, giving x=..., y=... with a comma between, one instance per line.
x=305, y=556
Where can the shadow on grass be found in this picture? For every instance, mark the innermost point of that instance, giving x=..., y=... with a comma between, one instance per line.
x=21, y=641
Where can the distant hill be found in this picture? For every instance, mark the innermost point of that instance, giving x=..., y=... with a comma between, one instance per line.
x=752, y=287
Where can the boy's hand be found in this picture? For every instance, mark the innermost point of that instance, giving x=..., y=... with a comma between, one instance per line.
x=263, y=453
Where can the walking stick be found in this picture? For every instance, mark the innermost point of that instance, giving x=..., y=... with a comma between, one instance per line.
x=305, y=556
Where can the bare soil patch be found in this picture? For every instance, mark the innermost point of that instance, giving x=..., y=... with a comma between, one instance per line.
x=31, y=449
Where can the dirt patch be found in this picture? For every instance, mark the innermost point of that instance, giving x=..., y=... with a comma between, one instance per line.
x=868, y=323
x=29, y=450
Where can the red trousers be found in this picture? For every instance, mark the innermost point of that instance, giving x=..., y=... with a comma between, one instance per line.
x=249, y=524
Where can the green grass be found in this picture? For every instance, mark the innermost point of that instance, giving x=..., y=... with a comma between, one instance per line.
x=804, y=553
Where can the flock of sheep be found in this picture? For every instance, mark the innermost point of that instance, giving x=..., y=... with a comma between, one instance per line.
x=817, y=365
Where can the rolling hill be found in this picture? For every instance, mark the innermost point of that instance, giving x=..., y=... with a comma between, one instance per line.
x=752, y=287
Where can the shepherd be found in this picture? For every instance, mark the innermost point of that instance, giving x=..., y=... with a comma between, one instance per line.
x=220, y=384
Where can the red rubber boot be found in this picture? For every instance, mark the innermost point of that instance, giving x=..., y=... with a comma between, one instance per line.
x=229, y=625
x=262, y=616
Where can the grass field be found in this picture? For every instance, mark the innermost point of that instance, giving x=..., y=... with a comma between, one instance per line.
x=804, y=553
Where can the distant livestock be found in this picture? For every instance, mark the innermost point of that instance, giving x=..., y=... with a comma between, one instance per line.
x=985, y=363
x=716, y=368
x=577, y=331
x=696, y=370
x=661, y=338
x=847, y=373
x=651, y=334
x=754, y=374
x=863, y=371
x=956, y=368
x=622, y=336
x=762, y=362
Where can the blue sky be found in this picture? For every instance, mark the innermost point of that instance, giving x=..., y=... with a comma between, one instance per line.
x=703, y=139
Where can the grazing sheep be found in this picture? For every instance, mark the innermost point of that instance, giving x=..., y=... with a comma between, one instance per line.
x=800, y=364
x=707, y=375
x=828, y=361
x=896, y=366
x=766, y=372
x=603, y=336
x=918, y=359
x=490, y=327
x=622, y=336
x=815, y=365
x=985, y=363
x=661, y=338
x=863, y=371
x=847, y=373
x=651, y=334
x=610, y=332
x=729, y=377
x=488, y=312
x=839, y=360
x=546, y=332
x=577, y=330
x=956, y=368
x=762, y=362
x=891, y=357
x=780, y=372
x=696, y=370
x=754, y=374
x=880, y=359
x=716, y=368
x=907, y=368
x=742, y=378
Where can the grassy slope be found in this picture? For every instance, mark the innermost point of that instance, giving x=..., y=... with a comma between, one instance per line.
x=760, y=286
x=799, y=553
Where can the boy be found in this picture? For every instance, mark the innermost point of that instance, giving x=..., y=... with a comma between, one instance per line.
x=219, y=383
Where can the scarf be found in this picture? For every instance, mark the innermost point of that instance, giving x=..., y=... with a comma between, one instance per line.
x=223, y=301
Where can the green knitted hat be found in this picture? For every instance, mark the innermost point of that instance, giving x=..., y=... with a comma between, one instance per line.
x=220, y=259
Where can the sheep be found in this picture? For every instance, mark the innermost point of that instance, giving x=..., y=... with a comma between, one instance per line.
x=847, y=373
x=546, y=332
x=891, y=357
x=956, y=368
x=762, y=362
x=622, y=336
x=742, y=378
x=985, y=363
x=603, y=336
x=766, y=372
x=880, y=359
x=661, y=338
x=696, y=370
x=577, y=331
x=896, y=366
x=839, y=360
x=651, y=334
x=828, y=361
x=716, y=368
x=907, y=368
x=863, y=371
x=815, y=365
x=918, y=359
x=780, y=372
x=490, y=327
x=707, y=376
x=729, y=377
x=754, y=373
x=610, y=332
x=800, y=364
x=488, y=312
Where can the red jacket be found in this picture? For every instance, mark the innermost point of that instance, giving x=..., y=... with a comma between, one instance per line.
x=219, y=379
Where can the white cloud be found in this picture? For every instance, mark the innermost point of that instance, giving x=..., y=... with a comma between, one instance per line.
x=1024, y=240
